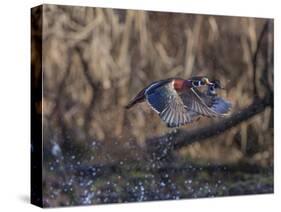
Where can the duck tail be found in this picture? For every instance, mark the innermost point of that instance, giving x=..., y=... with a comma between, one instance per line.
x=140, y=97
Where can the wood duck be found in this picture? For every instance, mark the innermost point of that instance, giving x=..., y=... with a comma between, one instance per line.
x=179, y=102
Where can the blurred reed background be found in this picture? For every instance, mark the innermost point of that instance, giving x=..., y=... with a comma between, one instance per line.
x=95, y=60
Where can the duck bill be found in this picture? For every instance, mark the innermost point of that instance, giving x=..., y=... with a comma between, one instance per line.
x=208, y=82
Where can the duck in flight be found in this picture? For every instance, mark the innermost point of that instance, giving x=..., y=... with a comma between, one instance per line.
x=179, y=102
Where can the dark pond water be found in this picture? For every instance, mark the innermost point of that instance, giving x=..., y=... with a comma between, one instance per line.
x=76, y=183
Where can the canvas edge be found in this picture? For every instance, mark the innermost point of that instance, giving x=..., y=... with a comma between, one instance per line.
x=36, y=18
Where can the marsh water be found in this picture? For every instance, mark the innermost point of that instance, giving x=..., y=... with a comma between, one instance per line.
x=72, y=180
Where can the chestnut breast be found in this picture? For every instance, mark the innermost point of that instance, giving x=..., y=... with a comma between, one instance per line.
x=180, y=84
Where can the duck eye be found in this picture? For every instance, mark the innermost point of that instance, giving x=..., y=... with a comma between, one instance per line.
x=195, y=83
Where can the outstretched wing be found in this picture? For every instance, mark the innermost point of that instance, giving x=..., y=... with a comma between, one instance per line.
x=220, y=105
x=216, y=103
x=196, y=101
x=166, y=102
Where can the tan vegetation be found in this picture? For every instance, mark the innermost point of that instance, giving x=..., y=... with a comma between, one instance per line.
x=95, y=60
